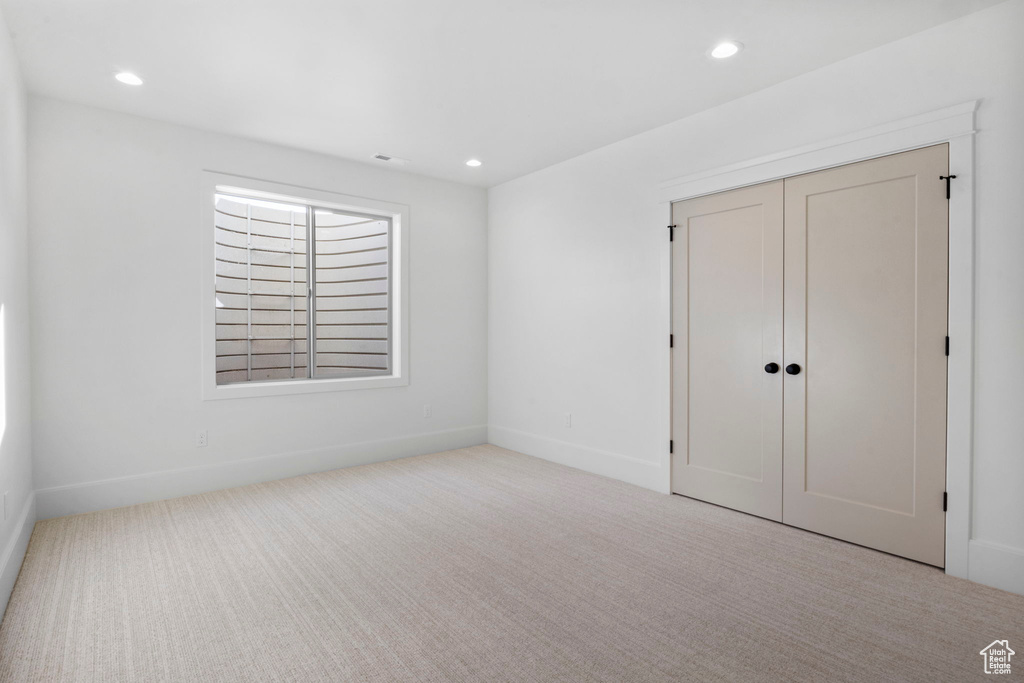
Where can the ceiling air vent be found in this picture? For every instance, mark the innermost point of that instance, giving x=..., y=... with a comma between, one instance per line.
x=388, y=159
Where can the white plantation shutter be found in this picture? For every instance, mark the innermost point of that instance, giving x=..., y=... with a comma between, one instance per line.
x=263, y=292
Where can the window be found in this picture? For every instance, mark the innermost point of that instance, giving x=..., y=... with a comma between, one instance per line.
x=304, y=292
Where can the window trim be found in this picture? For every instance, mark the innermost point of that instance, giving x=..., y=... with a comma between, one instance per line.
x=398, y=214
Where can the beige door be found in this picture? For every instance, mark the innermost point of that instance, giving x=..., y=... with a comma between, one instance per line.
x=727, y=325
x=865, y=320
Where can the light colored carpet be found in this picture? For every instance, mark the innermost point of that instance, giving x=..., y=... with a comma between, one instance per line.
x=478, y=565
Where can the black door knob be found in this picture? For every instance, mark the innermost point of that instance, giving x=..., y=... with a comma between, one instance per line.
x=793, y=369
x=771, y=368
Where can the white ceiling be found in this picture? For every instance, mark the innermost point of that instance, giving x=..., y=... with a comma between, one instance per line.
x=520, y=84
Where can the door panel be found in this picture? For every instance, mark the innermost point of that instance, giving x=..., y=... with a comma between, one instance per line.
x=727, y=323
x=865, y=317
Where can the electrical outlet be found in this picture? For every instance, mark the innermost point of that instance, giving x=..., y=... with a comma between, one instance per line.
x=201, y=439
x=568, y=420
x=427, y=411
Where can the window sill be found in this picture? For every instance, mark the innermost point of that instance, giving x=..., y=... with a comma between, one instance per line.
x=213, y=392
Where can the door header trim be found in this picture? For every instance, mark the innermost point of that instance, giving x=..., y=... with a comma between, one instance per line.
x=906, y=134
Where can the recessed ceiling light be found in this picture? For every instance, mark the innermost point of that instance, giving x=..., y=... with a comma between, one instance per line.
x=128, y=78
x=474, y=162
x=725, y=50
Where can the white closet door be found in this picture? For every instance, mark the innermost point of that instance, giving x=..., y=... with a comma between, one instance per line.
x=865, y=418
x=727, y=324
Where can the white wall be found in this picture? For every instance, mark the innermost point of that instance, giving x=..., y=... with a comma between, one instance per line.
x=15, y=426
x=115, y=271
x=577, y=253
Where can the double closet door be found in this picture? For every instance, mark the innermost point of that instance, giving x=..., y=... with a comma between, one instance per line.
x=809, y=366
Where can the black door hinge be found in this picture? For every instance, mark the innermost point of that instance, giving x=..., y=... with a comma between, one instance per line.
x=947, y=344
x=945, y=500
x=671, y=341
x=671, y=232
x=947, y=178
x=671, y=446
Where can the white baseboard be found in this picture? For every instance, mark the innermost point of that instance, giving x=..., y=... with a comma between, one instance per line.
x=623, y=467
x=996, y=565
x=110, y=493
x=14, y=553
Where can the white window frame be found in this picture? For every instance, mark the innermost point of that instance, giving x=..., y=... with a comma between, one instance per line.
x=214, y=183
